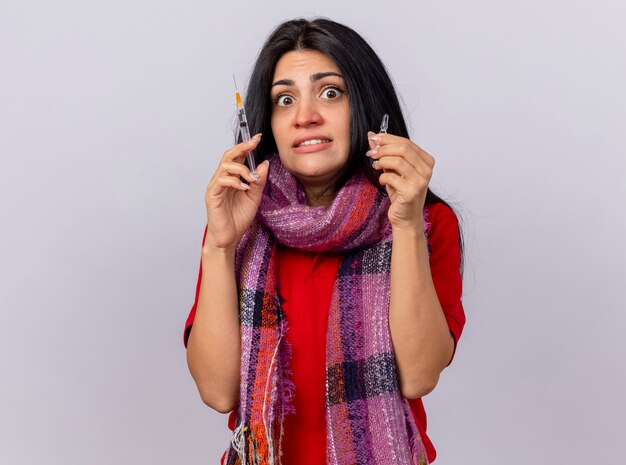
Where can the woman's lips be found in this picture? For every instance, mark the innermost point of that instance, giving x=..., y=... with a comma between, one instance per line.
x=312, y=147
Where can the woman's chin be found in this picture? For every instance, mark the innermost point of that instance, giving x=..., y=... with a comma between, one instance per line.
x=313, y=167
x=313, y=175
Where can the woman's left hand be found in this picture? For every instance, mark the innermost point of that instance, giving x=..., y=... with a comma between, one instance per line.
x=407, y=170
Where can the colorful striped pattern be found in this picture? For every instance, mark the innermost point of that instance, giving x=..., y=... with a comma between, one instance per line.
x=368, y=420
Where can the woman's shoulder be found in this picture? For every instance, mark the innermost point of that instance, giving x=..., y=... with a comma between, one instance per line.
x=438, y=212
x=442, y=227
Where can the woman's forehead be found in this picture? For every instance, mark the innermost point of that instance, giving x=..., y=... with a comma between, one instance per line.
x=300, y=63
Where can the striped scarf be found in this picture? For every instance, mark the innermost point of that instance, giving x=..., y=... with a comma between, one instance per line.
x=368, y=420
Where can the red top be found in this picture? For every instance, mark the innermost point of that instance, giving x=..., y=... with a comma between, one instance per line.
x=305, y=282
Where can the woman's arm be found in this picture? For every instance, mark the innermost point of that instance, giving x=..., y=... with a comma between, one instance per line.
x=214, y=346
x=422, y=341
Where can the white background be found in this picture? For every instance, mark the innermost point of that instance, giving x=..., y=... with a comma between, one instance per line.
x=113, y=115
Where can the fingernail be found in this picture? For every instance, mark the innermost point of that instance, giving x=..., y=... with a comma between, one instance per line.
x=245, y=186
x=374, y=137
x=257, y=136
x=254, y=175
x=370, y=153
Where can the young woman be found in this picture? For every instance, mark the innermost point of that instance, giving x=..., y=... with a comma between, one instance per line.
x=329, y=295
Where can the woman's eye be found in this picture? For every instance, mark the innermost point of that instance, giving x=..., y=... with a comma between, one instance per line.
x=283, y=100
x=331, y=92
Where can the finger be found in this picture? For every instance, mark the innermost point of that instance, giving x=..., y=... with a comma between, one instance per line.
x=372, y=143
x=263, y=170
x=223, y=182
x=427, y=157
x=238, y=152
x=257, y=188
x=408, y=170
x=390, y=179
x=422, y=161
x=232, y=168
x=402, y=150
x=224, y=178
x=384, y=139
x=405, y=190
x=397, y=164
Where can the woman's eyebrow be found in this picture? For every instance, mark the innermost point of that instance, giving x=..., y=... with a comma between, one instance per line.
x=318, y=76
x=314, y=77
x=284, y=82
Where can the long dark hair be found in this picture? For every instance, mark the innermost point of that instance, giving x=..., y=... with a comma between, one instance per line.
x=370, y=92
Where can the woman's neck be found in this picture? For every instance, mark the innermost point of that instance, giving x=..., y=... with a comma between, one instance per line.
x=316, y=197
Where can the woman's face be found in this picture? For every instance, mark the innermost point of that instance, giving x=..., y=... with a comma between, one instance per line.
x=310, y=117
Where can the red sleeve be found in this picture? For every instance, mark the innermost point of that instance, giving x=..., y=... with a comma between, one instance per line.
x=445, y=267
x=192, y=313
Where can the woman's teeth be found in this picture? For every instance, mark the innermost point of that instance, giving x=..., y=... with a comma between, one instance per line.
x=313, y=141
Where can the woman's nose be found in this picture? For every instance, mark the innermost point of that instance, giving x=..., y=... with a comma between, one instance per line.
x=308, y=113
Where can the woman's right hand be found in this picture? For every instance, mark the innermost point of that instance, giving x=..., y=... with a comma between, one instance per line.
x=231, y=204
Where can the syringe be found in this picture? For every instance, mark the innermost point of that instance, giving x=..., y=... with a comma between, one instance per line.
x=245, y=132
